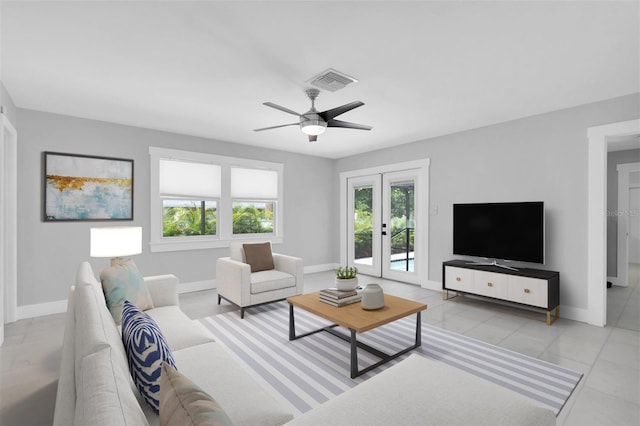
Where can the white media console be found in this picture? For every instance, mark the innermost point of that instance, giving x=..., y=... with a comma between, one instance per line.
x=534, y=289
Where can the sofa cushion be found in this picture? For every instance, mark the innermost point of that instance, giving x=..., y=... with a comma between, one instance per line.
x=271, y=280
x=258, y=256
x=178, y=329
x=146, y=350
x=231, y=385
x=183, y=403
x=422, y=391
x=104, y=392
x=123, y=281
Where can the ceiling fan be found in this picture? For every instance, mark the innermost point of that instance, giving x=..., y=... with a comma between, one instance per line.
x=313, y=122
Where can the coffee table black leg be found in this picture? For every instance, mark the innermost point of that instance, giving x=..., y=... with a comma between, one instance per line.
x=354, y=355
x=292, y=324
x=418, y=331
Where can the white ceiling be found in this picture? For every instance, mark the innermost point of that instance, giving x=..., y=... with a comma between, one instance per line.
x=425, y=68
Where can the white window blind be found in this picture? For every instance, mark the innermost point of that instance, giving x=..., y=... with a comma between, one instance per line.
x=257, y=184
x=189, y=179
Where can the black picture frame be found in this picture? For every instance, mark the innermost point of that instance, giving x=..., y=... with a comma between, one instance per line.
x=86, y=188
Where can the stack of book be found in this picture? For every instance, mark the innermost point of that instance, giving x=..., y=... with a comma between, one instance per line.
x=338, y=298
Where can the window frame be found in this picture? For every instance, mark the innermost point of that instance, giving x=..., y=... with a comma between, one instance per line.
x=224, y=227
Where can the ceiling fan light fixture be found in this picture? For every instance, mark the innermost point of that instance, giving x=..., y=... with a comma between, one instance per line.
x=313, y=127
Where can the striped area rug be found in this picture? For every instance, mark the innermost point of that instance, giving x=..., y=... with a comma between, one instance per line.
x=309, y=371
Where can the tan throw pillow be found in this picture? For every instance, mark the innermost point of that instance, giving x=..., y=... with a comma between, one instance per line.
x=123, y=281
x=182, y=402
x=259, y=256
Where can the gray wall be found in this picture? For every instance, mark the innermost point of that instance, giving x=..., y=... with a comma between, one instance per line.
x=536, y=158
x=48, y=253
x=539, y=158
x=613, y=159
x=7, y=104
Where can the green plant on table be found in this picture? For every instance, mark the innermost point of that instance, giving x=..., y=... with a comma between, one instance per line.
x=346, y=272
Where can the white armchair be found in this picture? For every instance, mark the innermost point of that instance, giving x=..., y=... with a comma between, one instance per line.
x=236, y=283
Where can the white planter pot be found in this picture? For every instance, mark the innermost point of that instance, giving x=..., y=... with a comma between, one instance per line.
x=346, y=284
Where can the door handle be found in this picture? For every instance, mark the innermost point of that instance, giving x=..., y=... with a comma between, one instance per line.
x=384, y=232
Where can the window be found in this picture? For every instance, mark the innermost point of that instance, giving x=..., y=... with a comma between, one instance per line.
x=201, y=200
x=254, y=194
x=190, y=192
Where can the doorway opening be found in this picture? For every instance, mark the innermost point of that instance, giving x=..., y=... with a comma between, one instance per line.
x=598, y=139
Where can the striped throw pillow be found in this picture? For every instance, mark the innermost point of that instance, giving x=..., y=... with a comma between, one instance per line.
x=146, y=349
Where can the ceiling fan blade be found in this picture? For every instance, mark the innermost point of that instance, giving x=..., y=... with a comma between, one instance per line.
x=275, y=127
x=334, y=112
x=313, y=138
x=281, y=108
x=347, y=125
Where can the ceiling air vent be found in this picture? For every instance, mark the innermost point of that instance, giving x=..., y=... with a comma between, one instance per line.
x=331, y=80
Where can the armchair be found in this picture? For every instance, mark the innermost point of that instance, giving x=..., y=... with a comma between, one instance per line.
x=237, y=284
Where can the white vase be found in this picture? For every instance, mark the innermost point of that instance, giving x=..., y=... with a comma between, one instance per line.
x=372, y=297
x=346, y=284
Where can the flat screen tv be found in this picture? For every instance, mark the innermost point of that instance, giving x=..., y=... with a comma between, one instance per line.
x=501, y=231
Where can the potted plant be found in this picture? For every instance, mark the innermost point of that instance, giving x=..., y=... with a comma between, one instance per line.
x=346, y=278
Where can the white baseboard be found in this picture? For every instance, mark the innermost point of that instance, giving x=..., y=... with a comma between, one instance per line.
x=60, y=306
x=616, y=281
x=575, y=314
x=432, y=285
x=41, y=309
x=320, y=268
x=196, y=286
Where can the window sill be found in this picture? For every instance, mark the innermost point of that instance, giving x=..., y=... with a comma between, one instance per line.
x=182, y=245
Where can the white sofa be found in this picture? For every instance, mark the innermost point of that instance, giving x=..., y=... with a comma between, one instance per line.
x=420, y=391
x=95, y=386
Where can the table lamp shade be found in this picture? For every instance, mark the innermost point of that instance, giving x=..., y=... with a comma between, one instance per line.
x=116, y=241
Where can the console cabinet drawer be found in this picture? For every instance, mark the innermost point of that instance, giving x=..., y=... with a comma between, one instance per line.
x=490, y=284
x=459, y=278
x=530, y=291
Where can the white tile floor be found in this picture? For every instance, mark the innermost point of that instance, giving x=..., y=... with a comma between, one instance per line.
x=609, y=357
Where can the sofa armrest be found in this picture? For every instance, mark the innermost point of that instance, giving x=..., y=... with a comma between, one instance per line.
x=163, y=289
x=291, y=265
x=233, y=280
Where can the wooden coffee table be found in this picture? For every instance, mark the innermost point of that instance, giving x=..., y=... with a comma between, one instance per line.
x=357, y=320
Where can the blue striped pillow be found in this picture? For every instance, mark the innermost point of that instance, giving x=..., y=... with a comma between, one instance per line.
x=146, y=349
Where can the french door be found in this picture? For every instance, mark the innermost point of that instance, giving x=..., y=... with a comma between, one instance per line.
x=382, y=225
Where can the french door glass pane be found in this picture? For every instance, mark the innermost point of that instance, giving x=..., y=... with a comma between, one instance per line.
x=363, y=225
x=402, y=226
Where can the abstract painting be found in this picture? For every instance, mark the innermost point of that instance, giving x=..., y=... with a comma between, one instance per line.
x=85, y=187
